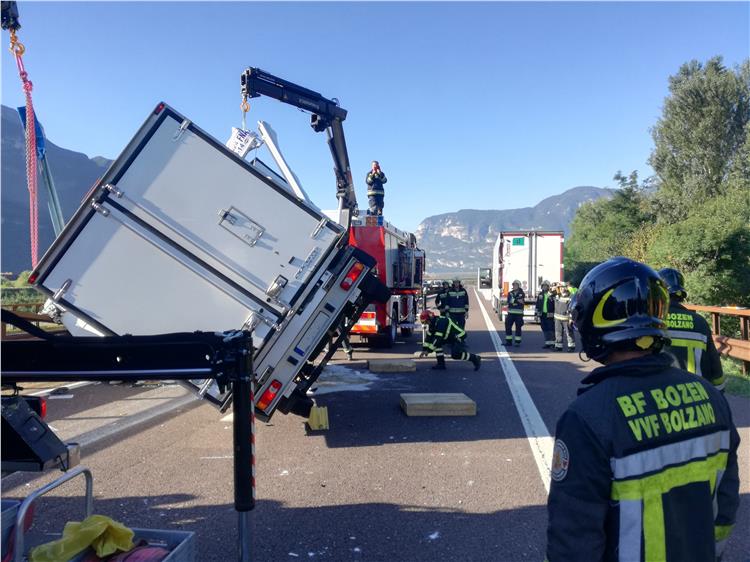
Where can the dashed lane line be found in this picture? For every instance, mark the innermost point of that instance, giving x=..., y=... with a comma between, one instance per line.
x=540, y=440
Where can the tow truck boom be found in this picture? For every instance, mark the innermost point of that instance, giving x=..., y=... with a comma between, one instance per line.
x=327, y=116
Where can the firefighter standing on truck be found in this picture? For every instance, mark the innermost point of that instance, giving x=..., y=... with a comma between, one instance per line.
x=441, y=331
x=644, y=465
x=375, y=191
x=545, y=310
x=692, y=344
x=457, y=303
x=562, y=321
x=516, y=297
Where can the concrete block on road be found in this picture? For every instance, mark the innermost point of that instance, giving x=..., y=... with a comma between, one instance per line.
x=441, y=404
x=391, y=365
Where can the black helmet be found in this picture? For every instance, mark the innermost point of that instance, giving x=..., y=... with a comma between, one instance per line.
x=675, y=282
x=621, y=304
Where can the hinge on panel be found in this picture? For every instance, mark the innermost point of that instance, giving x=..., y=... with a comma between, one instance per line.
x=321, y=225
x=113, y=190
x=183, y=127
x=99, y=208
x=277, y=286
x=62, y=290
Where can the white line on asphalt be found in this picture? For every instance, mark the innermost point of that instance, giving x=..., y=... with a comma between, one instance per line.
x=540, y=440
x=70, y=386
x=92, y=437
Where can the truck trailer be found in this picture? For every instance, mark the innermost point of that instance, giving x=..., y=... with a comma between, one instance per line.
x=530, y=257
x=182, y=234
x=400, y=267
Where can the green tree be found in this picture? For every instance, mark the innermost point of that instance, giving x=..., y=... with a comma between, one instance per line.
x=711, y=247
x=699, y=135
x=604, y=228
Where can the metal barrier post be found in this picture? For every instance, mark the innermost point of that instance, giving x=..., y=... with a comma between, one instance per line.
x=244, y=454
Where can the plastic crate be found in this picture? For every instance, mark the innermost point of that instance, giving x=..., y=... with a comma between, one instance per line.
x=8, y=509
x=181, y=544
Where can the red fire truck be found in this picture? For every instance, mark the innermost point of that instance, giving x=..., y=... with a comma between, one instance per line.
x=400, y=266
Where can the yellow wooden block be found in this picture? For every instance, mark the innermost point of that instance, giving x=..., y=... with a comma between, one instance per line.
x=318, y=419
x=391, y=365
x=438, y=404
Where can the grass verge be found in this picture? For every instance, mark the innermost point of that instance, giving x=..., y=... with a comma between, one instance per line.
x=737, y=383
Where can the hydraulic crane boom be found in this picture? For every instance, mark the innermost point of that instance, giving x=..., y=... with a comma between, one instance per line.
x=327, y=116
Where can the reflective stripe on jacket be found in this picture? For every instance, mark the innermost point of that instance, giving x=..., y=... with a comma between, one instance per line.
x=644, y=468
x=441, y=331
x=545, y=305
x=562, y=304
x=375, y=183
x=515, y=301
x=457, y=301
x=692, y=345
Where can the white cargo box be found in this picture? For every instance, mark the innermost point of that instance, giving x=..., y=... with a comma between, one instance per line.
x=181, y=235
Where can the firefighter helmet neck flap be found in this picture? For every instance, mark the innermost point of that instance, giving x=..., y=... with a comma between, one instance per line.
x=621, y=305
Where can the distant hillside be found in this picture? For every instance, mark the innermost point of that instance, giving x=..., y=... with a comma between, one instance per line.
x=74, y=174
x=463, y=241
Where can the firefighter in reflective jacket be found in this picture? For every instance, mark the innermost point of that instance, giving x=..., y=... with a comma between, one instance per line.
x=516, y=297
x=644, y=465
x=375, y=192
x=441, y=331
x=441, y=299
x=692, y=344
x=562, y=321
x=457, y=303
x=545, y=310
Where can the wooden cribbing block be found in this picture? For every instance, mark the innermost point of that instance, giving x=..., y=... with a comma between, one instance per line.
x=391, y=365
x=443, y=404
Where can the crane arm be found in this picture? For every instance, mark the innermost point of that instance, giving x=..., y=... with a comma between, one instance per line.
x=327, y=116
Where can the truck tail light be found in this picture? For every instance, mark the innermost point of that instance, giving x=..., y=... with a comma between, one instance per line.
x=269, y=395
x=351, y=277
x=367, y=316
x=32, y=279
x=43, y=408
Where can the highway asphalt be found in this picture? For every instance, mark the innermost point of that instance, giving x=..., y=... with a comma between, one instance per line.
x=377, y=485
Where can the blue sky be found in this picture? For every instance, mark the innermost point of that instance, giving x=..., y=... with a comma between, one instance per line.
x=489, y=105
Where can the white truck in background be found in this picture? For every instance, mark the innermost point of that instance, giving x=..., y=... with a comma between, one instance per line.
x=530, y=257
x=181, y=234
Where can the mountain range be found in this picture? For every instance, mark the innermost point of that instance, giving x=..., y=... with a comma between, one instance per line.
x=454, y=242
x=74, y=173
x=463, y=240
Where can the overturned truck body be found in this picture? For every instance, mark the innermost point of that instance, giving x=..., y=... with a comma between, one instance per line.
x=182, y=234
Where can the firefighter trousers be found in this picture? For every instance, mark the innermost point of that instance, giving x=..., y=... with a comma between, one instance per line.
x=510, y=320
x=548, y=329
x=562, y=328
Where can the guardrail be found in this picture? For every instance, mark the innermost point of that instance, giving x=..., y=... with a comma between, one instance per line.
x=731, y=347
x=28, y=311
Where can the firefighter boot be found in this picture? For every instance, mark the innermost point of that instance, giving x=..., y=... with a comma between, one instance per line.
x=440, y=364
x=476, y=360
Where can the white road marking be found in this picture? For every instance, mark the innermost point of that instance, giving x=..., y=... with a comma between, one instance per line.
x=540, y=440
x=70, y=386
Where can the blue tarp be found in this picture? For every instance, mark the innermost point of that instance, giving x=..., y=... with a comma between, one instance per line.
x=39, y=130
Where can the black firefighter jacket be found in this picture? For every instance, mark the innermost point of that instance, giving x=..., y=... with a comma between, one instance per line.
x=692, y=345
x=644, y=468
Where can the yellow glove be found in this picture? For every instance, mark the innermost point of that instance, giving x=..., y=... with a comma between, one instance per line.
x=103, y=534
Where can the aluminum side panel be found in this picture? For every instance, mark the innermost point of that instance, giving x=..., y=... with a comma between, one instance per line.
x=131, y=283
x=185, y=187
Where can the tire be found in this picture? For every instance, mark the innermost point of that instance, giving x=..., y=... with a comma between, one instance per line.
x=406, y=332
